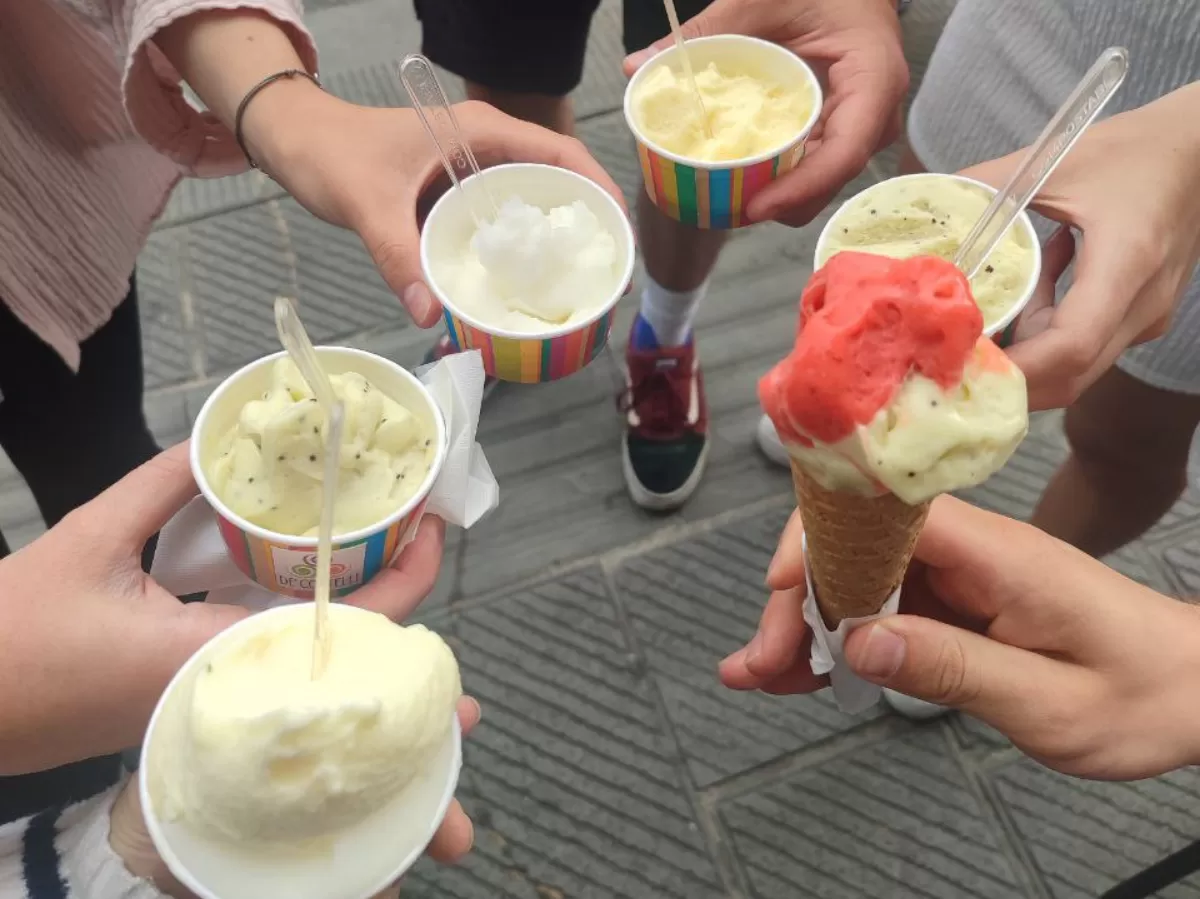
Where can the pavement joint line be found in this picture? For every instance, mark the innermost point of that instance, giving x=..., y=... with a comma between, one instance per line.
x=613, y=558
x=786, y=766
x=978, y=776
x=720, y=846
x=187, y=305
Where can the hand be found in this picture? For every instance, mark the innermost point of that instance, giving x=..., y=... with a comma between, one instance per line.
x=855, y=47
x=354, y=166
x=131, y=841
x=1129, y=186
x=88, y=641
x=1085, y=670
x=367, y=169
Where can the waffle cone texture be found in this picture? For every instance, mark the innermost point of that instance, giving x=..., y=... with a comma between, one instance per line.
x=858, y=546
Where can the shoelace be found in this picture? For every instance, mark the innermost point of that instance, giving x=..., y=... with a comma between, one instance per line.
x=657, y=400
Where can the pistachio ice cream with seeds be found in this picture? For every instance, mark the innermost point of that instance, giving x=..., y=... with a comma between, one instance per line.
x=268, y=466
x=931, y=215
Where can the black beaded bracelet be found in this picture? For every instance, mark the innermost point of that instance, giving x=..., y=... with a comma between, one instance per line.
x=252, y=93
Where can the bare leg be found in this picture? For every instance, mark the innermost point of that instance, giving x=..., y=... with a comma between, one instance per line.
x=555, y=113
x=678, y=257
x=1128, y=463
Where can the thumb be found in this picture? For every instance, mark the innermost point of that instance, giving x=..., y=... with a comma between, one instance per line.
x=395, y=248
x=952, y=667
x=135, y=508
x=716, y=19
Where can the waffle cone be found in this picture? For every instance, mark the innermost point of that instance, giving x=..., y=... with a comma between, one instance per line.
x=858, y=546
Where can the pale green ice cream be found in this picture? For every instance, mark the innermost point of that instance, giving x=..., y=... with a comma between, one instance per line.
x=929, y=216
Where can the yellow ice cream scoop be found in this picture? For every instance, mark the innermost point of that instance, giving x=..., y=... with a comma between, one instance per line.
x=744, y=115
x=268, y=466
x=265, y=753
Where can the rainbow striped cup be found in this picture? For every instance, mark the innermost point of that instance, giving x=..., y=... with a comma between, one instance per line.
x=287, y=564
x=715, y=194
x=534, y=356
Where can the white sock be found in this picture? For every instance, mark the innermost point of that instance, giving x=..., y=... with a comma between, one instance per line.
x=670, y=312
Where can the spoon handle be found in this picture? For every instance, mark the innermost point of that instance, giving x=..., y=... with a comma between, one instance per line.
x=433, y=108
x=1055, y=141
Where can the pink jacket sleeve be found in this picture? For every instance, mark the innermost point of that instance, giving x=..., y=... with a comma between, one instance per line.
x=154, y=98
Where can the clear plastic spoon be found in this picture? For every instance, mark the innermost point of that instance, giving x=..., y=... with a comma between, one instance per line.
x=688, y=71
x=425, y=91
x=1055, y=141
x=295, y=340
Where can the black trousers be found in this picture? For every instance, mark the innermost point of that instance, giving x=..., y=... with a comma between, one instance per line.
x=71, y=435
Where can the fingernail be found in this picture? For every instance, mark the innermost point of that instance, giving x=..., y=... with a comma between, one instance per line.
x=416, y=300
x=881, y=655
x=754, y=649
x=478, y=708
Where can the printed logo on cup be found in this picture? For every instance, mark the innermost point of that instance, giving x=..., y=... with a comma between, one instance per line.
x=297, y=569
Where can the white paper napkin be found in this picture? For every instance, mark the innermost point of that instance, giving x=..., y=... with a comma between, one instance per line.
x=853, y=694
x=191, y=556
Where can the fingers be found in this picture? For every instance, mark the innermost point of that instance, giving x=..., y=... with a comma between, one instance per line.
x=780, y=644
x=469, y=713
x=137, y=506
x=395, y=247
x=1061, y=361
x=942, y=664
x=787, y=567
x=496, y=137
x=456, y=834
x=1057, y=253
x=860, y=111
x=398, y=590
x=454, y=838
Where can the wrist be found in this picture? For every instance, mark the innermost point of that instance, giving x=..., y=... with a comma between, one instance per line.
x=280, y=121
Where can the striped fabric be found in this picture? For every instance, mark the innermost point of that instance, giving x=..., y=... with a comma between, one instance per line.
x=94, y=133
x=1000, y=71
x=64, y=853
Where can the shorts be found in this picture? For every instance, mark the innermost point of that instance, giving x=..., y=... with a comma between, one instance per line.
x=530, y=46
x=1000, y=70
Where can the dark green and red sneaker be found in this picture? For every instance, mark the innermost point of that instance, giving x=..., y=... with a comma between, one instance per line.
x=665, y=444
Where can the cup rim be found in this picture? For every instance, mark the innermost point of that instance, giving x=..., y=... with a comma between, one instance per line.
x=1024, y=220
x=743, y=162
x=623, y=281
x=261, y=533
x=154, y=825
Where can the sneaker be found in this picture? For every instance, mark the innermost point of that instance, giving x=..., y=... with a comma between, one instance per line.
x=770, y=444
x=912, y=708
x=445, y=347
x=665, y=445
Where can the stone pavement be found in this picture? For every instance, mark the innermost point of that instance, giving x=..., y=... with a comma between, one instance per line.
x=611, y=764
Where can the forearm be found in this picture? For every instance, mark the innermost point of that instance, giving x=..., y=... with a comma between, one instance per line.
x=223, y=54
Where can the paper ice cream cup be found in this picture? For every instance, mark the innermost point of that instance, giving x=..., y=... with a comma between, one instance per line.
x=286, y=564
x=1000, y=330
x=527, y=357
x=715, y=194
x=355, y=863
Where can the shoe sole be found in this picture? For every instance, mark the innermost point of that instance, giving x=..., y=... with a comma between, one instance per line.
x=662, y=502
x=770, y=444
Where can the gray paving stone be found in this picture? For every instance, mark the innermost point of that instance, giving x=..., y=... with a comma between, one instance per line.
x=692, y=604
x=572, y=779
x=167, y=352
x=895, y=820
x=240, y=261
x=1184, y=563
x=1087, y=836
